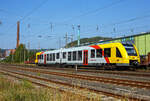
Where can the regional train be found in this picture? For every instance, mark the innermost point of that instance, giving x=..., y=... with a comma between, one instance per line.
x=100, y=54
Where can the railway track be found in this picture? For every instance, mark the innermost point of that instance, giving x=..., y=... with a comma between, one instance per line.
x=9, y=72
x=124, y=73
x=91, y=78
x=131, y=83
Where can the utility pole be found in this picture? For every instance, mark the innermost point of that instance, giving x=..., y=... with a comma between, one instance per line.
x=51, y=26
x=59, y=42
x=78, y=35
x=66, y=37
x=132, y=31
x=28, y=49
x=24, y=55
x=39, y=45
x=71, y=37
x=97, y=28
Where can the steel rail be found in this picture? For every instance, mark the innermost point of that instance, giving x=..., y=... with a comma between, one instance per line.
x=131, y=83
x=70, y=85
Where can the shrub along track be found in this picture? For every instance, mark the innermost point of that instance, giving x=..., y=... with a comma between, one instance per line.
x=84, y=77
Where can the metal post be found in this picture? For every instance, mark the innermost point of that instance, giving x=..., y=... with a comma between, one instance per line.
x=76, y=67
x=59, y=42
x=12, y=57
x=28, y=50
x=78, y=35
x=24, y=55
x=66, y=37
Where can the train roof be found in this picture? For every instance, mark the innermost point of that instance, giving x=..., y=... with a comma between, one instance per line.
x=85, y=47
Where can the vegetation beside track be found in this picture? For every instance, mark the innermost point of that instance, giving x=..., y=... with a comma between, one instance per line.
x=11, y=90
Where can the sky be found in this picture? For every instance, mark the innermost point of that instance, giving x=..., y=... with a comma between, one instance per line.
x=44, y=23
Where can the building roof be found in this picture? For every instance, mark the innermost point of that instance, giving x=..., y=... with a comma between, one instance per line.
x=133, y=35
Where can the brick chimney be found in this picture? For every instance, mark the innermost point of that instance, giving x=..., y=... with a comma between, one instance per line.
x=18, y=32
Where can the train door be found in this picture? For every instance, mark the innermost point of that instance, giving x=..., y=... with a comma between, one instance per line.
x=44, y=58
x=85, y=57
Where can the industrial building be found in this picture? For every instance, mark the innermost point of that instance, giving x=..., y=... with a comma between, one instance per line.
x=142, y=42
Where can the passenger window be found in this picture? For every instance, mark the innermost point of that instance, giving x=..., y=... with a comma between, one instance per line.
x=38, y=57
x=74, y=56
x=118, y=54
x=50, y=57
x=79, y=55
x=69, y=56
x=93, y=53
x=64, y=55
x=53, y=56
x=47, y=57
x=57, y=56
x=99, y=53
x=107, y=52
x=42, y=57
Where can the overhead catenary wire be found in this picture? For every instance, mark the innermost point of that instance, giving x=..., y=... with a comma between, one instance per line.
x=107, y=25
x=29, y=13
x=93, y=11
x=111, y=32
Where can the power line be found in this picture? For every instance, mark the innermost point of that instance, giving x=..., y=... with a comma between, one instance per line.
x=34, y=9
x=28, y=14
x=117, y=31
x=129, y=20
x=90, y=12
x=116, y=23
x=95, y=10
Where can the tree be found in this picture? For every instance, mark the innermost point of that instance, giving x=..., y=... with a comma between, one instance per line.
x=20, y=54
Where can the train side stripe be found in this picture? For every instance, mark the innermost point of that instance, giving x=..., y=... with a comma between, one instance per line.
x=95, y=46
x=98, y=47
x=107, y=60
x=41, y=53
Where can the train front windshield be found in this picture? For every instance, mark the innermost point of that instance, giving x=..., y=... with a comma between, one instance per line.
x=130, y=49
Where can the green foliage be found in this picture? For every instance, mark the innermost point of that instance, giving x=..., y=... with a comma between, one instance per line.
x=88, y=40
x=12, y=91
x=26, y=84
x=21, y=54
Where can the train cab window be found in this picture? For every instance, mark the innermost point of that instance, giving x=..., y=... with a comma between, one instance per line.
x=57, y=56
x=79, y=55
x=69, y=56
x=38, y=56
x=50, y=57
x=74, y=55
x=53, y=56
x=107, y=52
x=99, y=53
x=64, y=55
x=93, y=53
x=118, y=54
